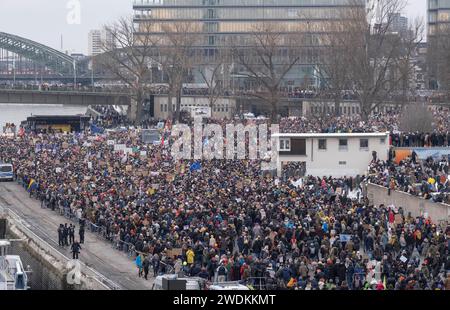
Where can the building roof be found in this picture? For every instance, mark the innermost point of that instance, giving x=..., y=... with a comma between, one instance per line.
x=331, y=135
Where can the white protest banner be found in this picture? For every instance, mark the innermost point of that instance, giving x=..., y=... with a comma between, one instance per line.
x=120, y=147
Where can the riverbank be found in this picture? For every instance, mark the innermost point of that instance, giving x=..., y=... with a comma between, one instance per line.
x=96, y=253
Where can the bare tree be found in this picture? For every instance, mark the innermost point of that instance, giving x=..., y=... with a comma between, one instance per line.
x=416, y=117
x=332, y=69
x=266, y=58
x=178, y=54
x=375, y=54
x=128, y=51
x=214, y=74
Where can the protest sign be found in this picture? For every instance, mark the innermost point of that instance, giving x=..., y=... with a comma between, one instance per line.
x=345, y=238
x=119, y=147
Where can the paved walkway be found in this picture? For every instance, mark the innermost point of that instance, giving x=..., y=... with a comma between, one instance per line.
x=96, y=252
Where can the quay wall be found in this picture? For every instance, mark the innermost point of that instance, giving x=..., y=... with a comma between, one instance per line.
x=439, y=212
x=49, y=267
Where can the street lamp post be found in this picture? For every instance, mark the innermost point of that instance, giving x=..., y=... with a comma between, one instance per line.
x=92, y=74
x=14, y=70
x=74, y=74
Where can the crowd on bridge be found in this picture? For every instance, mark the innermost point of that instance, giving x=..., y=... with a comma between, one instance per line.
x=227, y=219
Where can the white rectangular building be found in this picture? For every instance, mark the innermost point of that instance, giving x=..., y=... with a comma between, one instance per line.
x=96, y=41
x=332, y=154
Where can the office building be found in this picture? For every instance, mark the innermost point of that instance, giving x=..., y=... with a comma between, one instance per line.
x=438, y=43
x=399, y=24
x=223, y=21
x=96, y=39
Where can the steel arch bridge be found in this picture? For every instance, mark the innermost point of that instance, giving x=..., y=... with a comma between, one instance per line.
x=39, y=53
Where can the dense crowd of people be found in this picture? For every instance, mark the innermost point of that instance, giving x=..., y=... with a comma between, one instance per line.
x=425, y=178
x=228, y=220
x=377, y=122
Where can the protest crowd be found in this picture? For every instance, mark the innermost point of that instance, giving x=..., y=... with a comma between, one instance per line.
x=226, y=220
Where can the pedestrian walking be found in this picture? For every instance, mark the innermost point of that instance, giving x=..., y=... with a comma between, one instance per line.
x=81, y=233
x=61, y=235
x=71, y=233
x=76, y=247
x=146, y=266
x=139, y=265
x=66, y=235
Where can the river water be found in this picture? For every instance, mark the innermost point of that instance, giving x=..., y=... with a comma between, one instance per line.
x=16, y=113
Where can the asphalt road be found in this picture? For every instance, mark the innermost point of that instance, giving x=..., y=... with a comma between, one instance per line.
x=96, y=252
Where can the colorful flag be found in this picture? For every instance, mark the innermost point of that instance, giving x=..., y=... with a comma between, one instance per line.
x=32, y=185
x=195, y=166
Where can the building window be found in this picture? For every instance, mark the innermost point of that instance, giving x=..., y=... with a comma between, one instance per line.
x=343, y=144
x=364, y=143
x=292, y=13
x=322, y=144
x=342, y=163
x=285, y=145
x=382, y=140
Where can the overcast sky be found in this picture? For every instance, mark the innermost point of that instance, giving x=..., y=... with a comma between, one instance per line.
x=46, y=20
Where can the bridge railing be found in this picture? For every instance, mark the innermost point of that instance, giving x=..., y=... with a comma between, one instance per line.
x=65, y=89
x=192, y=92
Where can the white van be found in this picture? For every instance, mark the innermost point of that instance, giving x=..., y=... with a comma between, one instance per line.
x=192, y=284
x=228, y=286
x=6, y=172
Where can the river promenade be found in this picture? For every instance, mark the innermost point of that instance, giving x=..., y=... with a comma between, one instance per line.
x=96, y=252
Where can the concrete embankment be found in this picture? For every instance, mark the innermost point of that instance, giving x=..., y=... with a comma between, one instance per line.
x=439, y=212
x=50, y=268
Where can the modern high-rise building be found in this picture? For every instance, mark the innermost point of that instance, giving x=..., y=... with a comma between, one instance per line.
x=399, y=23
x=96, y=39
x=438, y=16
x=222, y=21
x=438, y=42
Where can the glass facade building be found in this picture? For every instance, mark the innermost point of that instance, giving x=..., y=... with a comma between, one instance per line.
x=438, y=16
x=222, y=20
x=438, y=40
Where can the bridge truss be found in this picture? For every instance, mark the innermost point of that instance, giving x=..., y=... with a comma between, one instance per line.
x=38, y=53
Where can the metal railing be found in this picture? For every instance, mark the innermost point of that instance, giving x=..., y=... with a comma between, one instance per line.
x=66, y=89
